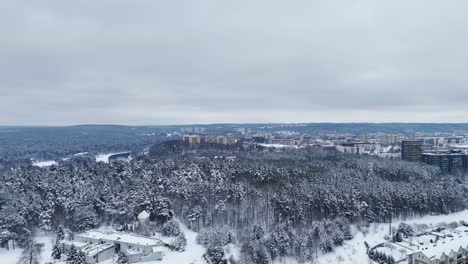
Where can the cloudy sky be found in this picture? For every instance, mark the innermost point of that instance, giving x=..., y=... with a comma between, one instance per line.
x=219, y=61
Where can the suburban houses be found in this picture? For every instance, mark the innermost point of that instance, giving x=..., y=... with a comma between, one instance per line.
x=443, y=245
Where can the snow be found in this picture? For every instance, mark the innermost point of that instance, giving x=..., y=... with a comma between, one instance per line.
x=143, y=215
x=232, y=251
x=193, y=253
x=277, y=146
x=47, y=240
x=105, y=157
x=354, y=250
x=45, y=163
x=10, y=256
x=80, y=154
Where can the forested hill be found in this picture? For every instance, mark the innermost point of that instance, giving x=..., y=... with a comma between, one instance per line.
x=272, y=204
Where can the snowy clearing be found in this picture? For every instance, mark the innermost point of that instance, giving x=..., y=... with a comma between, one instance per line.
x=193, y=253
x=10, y=256
x=105, y=157
x=45, y=163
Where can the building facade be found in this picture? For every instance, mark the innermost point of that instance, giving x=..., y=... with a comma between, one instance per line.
x=411, y=150
x=455, y=163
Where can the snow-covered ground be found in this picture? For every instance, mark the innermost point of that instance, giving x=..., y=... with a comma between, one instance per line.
x=105, y=157
x=277, y=146
x=48, y=241
x=10, y=256
x=193, y=253
x=354, y=251
x=44, y=163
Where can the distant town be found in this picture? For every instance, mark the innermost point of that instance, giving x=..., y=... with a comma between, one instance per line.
x=448, y=151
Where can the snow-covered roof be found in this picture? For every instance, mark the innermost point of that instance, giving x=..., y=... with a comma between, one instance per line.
x=122, y=237
x=452, y=241
x=143, y=215
x=94, y=249
x=76, y=244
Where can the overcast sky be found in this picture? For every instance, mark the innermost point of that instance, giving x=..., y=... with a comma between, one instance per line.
x=175, y=62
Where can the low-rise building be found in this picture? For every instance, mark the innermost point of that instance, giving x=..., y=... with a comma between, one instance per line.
x=99, y=246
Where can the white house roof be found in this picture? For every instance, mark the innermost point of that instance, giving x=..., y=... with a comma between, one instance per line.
x=143, y=215
x=446, y=245
x=122, y=237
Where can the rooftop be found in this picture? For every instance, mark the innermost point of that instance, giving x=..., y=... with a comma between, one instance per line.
x=122, y=237
x=94, y=249
x=449, y=240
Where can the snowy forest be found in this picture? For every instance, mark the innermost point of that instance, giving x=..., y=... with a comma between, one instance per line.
x=272, y=204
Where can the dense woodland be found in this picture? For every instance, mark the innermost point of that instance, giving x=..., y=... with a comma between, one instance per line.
x=272, y=204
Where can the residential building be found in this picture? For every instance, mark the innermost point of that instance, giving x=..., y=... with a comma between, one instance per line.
x=437, y=248
x=364, y=138
x=411, y=150
x=230, y=139
x=359, y=148
x=210, y=139
x=221, y=140
x=449, y=162
x=387, y=139
x=192, y=139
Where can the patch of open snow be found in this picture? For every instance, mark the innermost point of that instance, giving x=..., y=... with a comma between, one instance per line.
x=232, y=251
x=10, y=256
x=193, y=253
x=277, y=146
x=80, y=154
x=45, y=163
x=105, y=157
x=143, y=215
x=47, y=240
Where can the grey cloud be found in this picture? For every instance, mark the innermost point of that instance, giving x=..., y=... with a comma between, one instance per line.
x=154, y=62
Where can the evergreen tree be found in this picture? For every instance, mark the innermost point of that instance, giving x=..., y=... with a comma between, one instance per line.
x=72, y=256
x=57, y=250
x=59, y=234
x=123, y=259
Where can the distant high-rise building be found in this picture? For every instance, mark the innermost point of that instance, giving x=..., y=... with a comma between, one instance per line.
x=221, y=140
x=411, y=150
x=199, y=130
x=388, y=139
x=364, y=138
x=230, y=139
x=453, y=162
x=210, y=139
x=192, y=139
